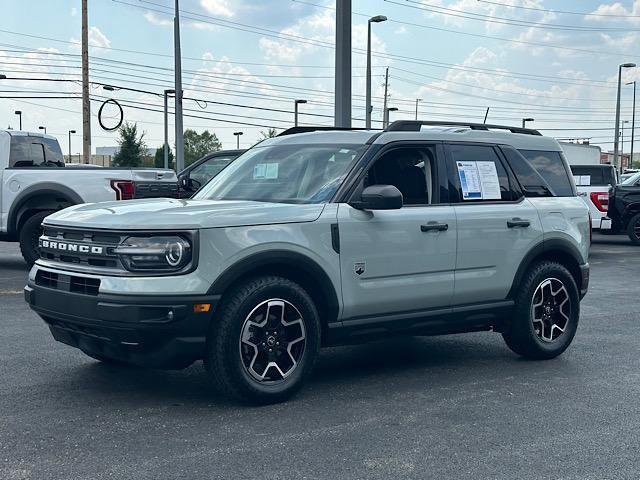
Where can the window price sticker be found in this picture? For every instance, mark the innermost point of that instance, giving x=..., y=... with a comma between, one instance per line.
x=479, y=181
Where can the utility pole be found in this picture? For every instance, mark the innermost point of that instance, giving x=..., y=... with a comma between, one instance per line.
x=166, y=127
x=343, y=64
x=86, y=104
x=633, y=120
x=178, y=92
x=386, y=93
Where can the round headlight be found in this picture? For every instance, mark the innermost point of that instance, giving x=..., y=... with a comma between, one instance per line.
x=175, y=253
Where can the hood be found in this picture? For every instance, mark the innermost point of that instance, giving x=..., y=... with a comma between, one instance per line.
x=173, y=214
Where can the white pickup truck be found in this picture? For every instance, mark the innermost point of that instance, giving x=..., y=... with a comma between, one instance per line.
x=34, y=183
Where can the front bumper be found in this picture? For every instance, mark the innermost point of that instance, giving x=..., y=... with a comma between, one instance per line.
x=151, y=331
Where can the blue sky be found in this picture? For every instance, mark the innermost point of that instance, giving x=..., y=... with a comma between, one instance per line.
x=522, y=58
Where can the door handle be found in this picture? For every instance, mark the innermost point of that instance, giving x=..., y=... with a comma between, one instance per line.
x=518, y=223
x=434, y=227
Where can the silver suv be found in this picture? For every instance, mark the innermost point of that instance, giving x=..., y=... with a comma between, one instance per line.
x=323, y=238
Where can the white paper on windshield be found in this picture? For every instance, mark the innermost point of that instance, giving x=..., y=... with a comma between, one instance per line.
x=489, y=182
x=259, y=171
x=271, y=171
x=479, y=181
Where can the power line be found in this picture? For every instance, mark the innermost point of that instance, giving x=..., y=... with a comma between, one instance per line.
x=503, y=20
x=564, y=12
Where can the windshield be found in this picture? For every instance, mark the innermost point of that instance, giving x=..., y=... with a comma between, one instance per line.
x=284, y=173
x=632, y=179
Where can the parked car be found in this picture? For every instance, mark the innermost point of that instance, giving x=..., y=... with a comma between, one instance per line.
x=196, y=175
x=593, y=183
x=624, y=208
x=35, y=183
x=325, y=238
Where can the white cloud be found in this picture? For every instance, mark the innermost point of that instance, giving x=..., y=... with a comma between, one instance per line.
x=154, y=19
x=74, y=11
x=615, y=8
x=217, y=7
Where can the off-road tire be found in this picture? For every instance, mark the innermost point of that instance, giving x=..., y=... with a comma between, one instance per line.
x=520, y=335
x=223, y=361
x=29, y=235
x=633, y=229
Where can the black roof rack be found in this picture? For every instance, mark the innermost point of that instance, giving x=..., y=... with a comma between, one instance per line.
x=294, y=130
x=415, y=126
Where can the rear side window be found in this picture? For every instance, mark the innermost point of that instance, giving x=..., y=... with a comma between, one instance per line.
x=480, y=174
x=551, y=166
x=587, y=175
x=532, y=182
x=34, y=152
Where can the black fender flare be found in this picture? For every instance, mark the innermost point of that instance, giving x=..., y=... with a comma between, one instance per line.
x=56, y=192
x=630, y=210
x=545, y=247
x=303, y=266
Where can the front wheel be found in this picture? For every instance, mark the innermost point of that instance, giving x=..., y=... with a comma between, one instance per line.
x=633, y=229
x=262, y=346
x=546, y=313
x=29, y=236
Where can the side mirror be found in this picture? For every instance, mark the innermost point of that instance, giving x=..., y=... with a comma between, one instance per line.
x=379, y=197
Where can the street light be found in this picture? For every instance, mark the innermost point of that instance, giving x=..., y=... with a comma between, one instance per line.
x=43, y=128
x=633, y=123
x=70, y=132
x=237, y=134
x=525, y=120
x=296, y=103
x=369, y=107
x=166, y=126
x=3, y=76
x=19, y=113
x=617, y=130
x=387, y=110
x=418, y=100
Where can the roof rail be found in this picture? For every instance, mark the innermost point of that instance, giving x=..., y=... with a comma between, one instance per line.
x=415, y=126
x=294, y=130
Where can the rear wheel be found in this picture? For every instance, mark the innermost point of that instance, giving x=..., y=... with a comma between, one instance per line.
x=633, y=229
x=546, y=314
x=29, y=234
x=263, y=345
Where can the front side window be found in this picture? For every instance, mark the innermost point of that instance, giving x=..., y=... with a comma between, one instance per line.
x=284, y=174
x=410, y=170
x=480, y=174
x=551, y=166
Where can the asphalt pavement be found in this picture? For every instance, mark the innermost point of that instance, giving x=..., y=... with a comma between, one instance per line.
x=451, y=407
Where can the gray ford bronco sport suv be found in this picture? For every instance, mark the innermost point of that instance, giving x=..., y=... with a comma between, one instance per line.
x=325, y=238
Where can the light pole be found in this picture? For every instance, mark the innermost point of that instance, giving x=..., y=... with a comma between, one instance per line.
x=70, y=132
x=19, y=113
x=616, y=163
x=295, y=114
x=237, y=134
x=376, y=19
x=166, y=126
x=525, y=120
x=418, y=100
x=43, y=128
x=386, y=115
x=624, y=122
x=633, y=122
x=178, y=90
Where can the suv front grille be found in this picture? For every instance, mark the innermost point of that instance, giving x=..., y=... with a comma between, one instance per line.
x=68, y=283
x=81, y=248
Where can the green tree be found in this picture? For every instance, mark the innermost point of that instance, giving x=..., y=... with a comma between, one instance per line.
x=132, y=148
x=198, y=145
x=270, y=133
x=159, y=158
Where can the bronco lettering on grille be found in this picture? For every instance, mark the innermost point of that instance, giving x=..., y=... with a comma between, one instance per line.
x=72, y=247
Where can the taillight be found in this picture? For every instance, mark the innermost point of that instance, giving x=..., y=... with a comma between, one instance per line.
x=600, y=200
x=124, y=189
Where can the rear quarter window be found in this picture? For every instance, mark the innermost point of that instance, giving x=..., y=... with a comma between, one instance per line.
x=593, y=175
x=551, y=166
